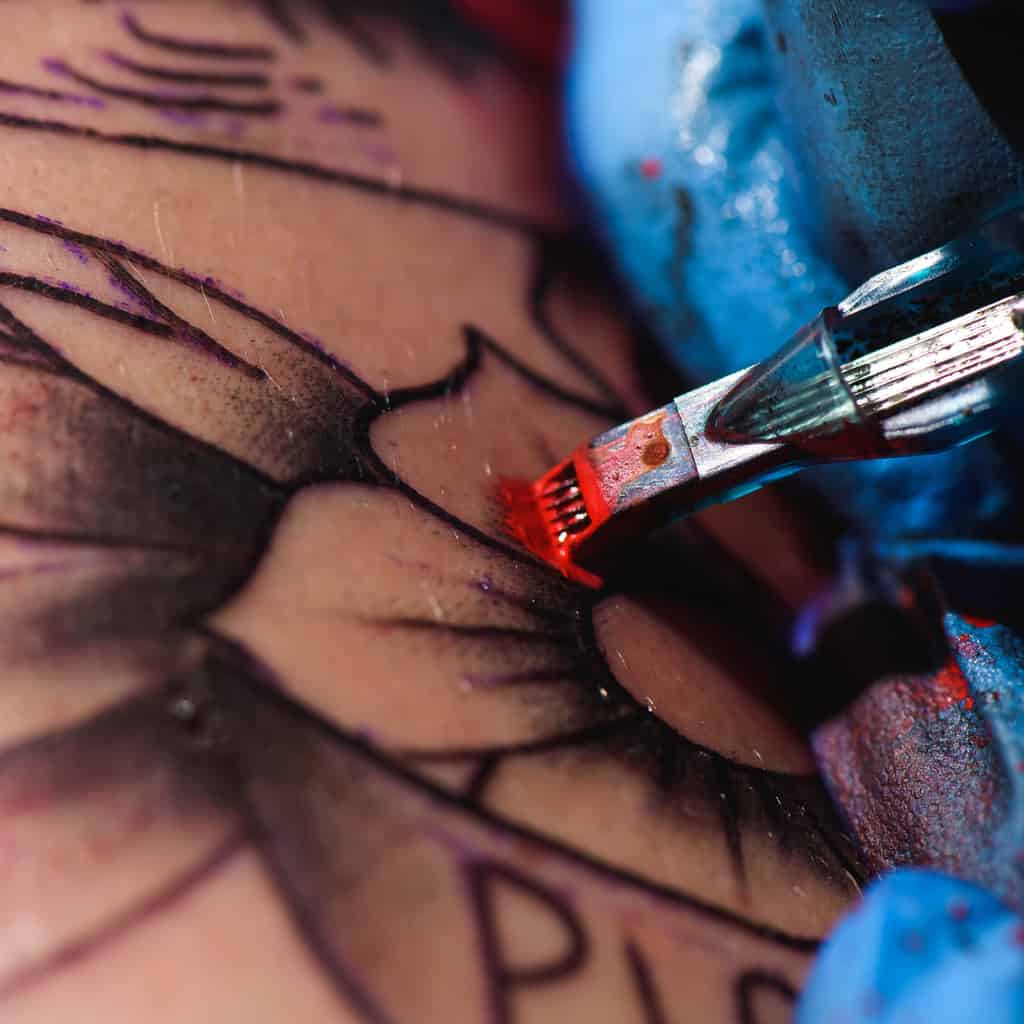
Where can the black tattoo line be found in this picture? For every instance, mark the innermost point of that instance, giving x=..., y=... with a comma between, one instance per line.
x=482, y=880
x=296, y=709
x=275, y=853
x=167, y=100
x=301, y=169
x=750, y=983
x=476, y=342
x=193, y=47
x=232, y=79
x=645, y=985
x=281, y=15
x=119, y=926
x=36, y=92
x=365, y=466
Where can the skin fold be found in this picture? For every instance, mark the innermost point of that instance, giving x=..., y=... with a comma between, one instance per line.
x=290, y=728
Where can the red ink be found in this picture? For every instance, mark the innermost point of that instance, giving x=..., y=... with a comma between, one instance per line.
x=968, y=646
x=959, y=910
x=1018, y=935
x=523, y=519
x=537, y=32
x=650, y=168
x=951, y=682
x=978, y=622
x=621, y=461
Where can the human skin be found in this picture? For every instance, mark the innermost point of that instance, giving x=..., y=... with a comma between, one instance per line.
x=290, y=728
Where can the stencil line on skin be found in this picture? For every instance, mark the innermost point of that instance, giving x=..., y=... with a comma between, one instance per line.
x=551, y=247
x=296, y=709
x=299, y=168
x=496, y=823
x=370, y=413
x=726, y=808
x=194, y=47
x=183, y=76
x=280, y=15
x=163, y=100
x=39, y=93
x=449, y=385
x=643, y=981
x=117, y=928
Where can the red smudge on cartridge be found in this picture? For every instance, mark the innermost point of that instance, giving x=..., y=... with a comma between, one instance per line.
x=564, y=517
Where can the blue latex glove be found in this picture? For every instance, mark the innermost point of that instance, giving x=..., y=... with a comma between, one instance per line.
x=922, y=948
x=677, y=138
x=681, y=152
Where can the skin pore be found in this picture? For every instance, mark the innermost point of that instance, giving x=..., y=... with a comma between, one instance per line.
x=290, y=728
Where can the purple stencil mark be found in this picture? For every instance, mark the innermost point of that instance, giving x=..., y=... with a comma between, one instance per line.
x=35, y=92
x=313, y=340
x=209, y=281
x=55, y=66
x=131, y=301
x=69, y=286
x=180, y=328
x=306, y=83
x=331, y=113
x=178, y=116
x=381, y=154
x=114, y=58
x=262, y=107
x=76, y=250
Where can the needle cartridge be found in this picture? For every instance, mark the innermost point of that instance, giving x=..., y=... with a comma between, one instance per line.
x=922, y=357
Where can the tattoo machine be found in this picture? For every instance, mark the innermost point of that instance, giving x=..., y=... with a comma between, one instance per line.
x=921, y=357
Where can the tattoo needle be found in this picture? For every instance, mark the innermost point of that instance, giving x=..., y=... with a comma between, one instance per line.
x=922, y=357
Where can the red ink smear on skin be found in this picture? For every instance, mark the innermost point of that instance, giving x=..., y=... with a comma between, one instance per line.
x=978, y=622
x=650, y=168
x=535, y=31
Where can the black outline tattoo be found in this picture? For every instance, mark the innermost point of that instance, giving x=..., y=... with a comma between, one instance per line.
x=194, y=47
x=207, y=102
x=181, y=76
x=646, y=986
x=236, y=745
x=753, y=982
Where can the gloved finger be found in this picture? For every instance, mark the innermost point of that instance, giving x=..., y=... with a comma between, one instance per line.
x=921, y=947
